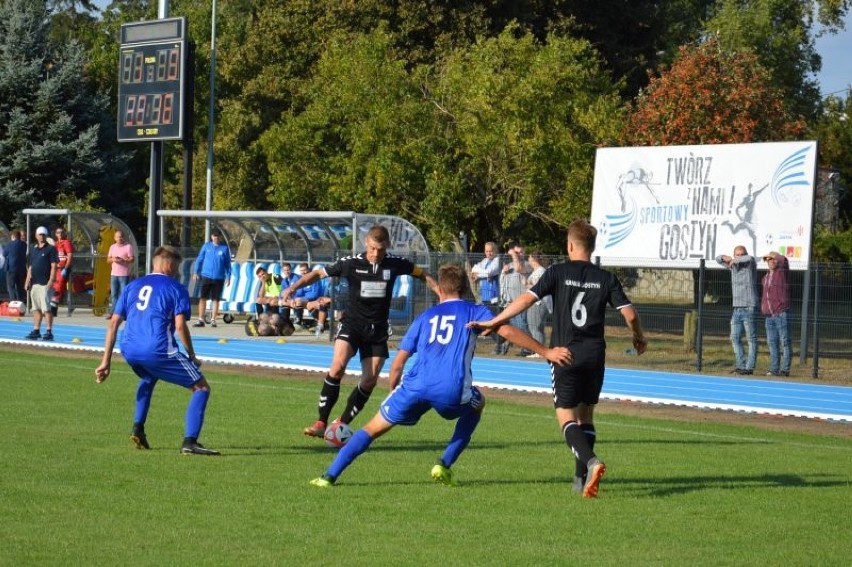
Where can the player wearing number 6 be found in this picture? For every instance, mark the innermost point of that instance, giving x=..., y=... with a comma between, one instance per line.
x=581, y=292
x=156, y=307
x=440, y=377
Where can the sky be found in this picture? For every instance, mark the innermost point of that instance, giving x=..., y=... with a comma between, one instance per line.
x=836, y=53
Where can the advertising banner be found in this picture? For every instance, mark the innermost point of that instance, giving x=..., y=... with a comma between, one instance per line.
x=671, y=206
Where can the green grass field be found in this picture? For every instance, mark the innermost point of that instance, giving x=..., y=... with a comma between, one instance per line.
x=74, y=491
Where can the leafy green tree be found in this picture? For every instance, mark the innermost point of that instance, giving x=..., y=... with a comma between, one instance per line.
x=522, y=119
x=781, y=34
x=50, y=124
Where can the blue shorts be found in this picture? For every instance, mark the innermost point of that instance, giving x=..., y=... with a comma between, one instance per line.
x=403, y=407
x=176, y=369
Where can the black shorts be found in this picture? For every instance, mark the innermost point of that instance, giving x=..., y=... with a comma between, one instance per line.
x=581, y=381
x=212, y=289
x=370, y=340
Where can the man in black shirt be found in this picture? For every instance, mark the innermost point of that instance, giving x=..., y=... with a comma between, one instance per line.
x=41, y=273
x=581, y=292
x=364, y=327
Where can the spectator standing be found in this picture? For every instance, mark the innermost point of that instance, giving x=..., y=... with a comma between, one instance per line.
x=364, y=326
x=120, y=258
x=41, y=271
x=538, y=312
x=487, y=272
x=581, y=292
x=156, y=307
x=212, y=267
x=513, y=283
x=16, y=266
x=743, y=269
x=775, y=306
x=65, y=252
x=439, y=379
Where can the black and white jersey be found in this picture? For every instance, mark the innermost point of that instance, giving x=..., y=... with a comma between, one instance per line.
x=370, y=285
x=581, y=292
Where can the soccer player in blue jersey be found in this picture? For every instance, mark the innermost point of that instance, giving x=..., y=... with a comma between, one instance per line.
x=156, y=307
x=364, y=327
x=439, y=379
x=581, y=292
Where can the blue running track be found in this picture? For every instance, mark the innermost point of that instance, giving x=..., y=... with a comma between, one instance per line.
x=694, y=390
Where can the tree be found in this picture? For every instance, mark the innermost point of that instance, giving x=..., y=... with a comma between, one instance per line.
x=49, y=123
x=493, y=139
x=780, y=33
x=710, y=96
x=522, y=119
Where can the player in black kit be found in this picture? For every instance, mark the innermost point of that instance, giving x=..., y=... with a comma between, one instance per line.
x=364, y=327
x=581, y=292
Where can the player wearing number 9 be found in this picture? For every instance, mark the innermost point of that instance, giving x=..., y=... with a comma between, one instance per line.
x=581, y=292
x=156, y=307
x=440, y=377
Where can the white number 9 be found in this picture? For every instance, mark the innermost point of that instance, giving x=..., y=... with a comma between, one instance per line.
x=144, y=297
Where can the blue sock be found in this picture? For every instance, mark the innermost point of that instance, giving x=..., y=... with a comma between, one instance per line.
x=195, y=412
x=357, y=444
x=465, y=427
x=144, y=393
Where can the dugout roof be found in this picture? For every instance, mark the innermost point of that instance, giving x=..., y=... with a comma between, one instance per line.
x=315, y=237
x=83, y=228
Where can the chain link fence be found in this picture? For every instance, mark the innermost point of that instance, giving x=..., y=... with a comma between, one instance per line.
x=682, y=341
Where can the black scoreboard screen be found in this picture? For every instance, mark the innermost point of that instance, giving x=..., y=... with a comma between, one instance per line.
x=151, y=80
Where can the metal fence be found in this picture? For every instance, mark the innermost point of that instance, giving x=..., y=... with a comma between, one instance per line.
x=667, y=302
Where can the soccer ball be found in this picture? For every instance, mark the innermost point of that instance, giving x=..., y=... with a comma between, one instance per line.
x=337, y=434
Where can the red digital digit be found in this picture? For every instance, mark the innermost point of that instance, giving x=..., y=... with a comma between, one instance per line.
x=174, y=64
x=168, y=104
x=129, y=110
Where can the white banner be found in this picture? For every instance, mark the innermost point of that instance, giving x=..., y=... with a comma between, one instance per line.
x=674, y=205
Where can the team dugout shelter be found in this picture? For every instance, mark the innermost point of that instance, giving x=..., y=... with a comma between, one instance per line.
x=269, y=238
x=91, y=233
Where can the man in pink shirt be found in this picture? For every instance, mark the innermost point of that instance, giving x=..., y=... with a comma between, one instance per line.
x=120, y=256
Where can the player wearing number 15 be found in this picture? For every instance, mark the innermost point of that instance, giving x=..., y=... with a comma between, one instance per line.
x=156, y=307
x=439, y=379
x=581, y=292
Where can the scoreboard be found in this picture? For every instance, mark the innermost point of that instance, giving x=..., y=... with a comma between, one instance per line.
x=151, y=80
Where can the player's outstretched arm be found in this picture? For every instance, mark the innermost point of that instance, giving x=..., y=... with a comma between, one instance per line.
x=306, y=279
x=519, y=305
x=560, y=356
x=102, y=371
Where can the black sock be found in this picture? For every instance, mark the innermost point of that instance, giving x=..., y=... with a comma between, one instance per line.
x=577, y=441
x=580, y=468
x=356, y=402
x=328, y=397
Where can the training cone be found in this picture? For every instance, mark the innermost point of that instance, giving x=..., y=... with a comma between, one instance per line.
x=281, y=341
x=223, y=341
x=76, y=340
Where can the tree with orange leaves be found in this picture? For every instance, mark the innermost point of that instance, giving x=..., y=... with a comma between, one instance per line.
x=709, y=96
